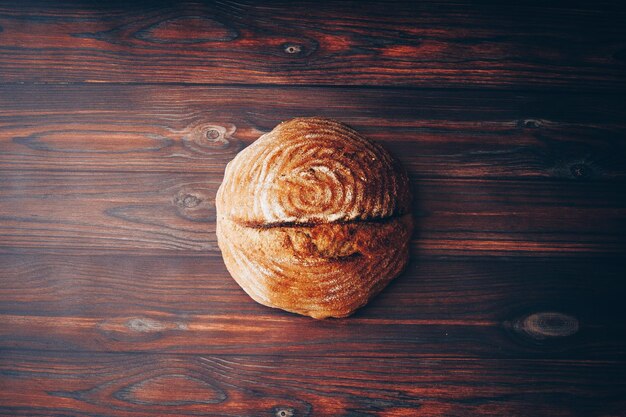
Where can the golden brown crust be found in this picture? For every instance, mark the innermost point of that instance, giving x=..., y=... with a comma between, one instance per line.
x=313, y=218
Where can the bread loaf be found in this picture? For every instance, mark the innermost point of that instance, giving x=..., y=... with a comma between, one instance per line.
x=313, y=218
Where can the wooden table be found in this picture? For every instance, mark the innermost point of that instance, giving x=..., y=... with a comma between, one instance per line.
x=116, y=123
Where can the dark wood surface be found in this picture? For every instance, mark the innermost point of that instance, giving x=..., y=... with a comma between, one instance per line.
x=576, y=44
x=117, y=121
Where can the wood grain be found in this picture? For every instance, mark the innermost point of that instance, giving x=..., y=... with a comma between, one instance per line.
x=558, y=336
x=46, y=384
x=438, y=134
x=144, y=213
x=459, y=308
x=147, y=385
x=441, y=44
x=471, y=289
x=117, y=120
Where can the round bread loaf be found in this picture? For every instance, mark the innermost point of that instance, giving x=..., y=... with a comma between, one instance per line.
x=313, y=218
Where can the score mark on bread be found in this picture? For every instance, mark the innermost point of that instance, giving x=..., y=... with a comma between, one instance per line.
x=313, y=218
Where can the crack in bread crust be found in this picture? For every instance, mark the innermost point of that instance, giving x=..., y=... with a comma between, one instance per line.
x=257, y=225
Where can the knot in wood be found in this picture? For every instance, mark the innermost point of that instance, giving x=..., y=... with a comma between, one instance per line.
x=144, y=325
x=213, y=134
x=581, y=171
x=207, y=139
x=529, y=124
x=187, y=200
x=548, y=324
x=292, y=48
x=284, y=412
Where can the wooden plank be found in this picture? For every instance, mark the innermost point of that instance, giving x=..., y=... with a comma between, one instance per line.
x=43, y=383
x=149, y=213
x=427, y=44
x=461, y=308
x=502, y=288
x=473, y=289
x=437, y=134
